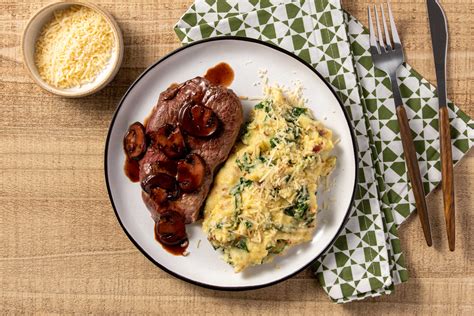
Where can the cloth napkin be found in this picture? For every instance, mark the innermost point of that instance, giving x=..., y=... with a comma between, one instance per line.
x=366, y=259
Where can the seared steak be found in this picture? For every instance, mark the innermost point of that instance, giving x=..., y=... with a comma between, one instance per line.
x=214, y=150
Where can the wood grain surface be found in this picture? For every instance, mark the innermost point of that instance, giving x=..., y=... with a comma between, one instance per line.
x=63, y=251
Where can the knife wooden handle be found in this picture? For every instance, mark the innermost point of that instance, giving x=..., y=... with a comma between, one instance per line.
x=414, y=172
x=447, y=174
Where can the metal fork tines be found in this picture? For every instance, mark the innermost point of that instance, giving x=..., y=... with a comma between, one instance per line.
x=387, y=55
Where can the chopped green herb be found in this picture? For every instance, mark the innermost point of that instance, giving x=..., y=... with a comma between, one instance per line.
x=237, y=190
x=274, y=142
x=309, y=220
x=259, y=106
x=296, y=132
x=266, y=105
x=237, y=205
x=299, y=210
x=292, y=133
x=244, y=163
x=279, y=247
x=242, y=244
x=296, y=112
x=289, y=211
x=245, y=129
x=248, y=224
x=239, y=187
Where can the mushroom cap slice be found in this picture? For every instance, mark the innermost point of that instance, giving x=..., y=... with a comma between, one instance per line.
x=170, y=140
x=134, y=142
x=170, y=228
x=198, y=120
x=191, y=172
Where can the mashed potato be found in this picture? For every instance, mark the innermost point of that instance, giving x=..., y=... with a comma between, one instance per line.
x=264, y=198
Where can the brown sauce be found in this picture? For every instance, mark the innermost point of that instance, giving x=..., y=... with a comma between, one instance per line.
x=177, y=250
x=221, y=74
x=132, y=170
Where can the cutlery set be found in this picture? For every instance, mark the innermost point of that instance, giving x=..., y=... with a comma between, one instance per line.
x=387, y=54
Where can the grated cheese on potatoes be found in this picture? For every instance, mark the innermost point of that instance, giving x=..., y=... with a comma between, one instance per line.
x=74, y=47
x=264, y=198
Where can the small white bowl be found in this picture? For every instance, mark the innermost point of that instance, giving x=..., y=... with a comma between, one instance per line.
x=33, y=30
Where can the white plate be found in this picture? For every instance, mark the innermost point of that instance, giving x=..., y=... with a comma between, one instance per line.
x=203, y=265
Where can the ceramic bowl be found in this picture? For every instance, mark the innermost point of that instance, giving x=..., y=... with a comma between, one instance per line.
x=33, y=30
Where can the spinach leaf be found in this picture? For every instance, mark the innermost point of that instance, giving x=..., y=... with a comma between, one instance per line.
x=296, y=112
x=279, y=247
x=236, y=191
x=244, y=163
x=259, y=106
x=289, y=211
x=244, y=130
x=299, y=210
x=242, y=244
x=274, y=142
x=239, y=187
x=266, y=105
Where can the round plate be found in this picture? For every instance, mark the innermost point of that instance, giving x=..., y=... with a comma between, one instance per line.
x=203, y=265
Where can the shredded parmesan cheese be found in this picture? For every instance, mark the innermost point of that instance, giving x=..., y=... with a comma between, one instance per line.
x=74, y=47
x=264, y=197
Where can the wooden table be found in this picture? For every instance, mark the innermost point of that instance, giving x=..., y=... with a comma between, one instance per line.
x=61, y=247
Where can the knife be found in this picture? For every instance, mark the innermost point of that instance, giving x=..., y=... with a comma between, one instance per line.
x=439, y=39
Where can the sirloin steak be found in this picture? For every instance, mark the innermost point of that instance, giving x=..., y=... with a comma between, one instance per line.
x=214, y=150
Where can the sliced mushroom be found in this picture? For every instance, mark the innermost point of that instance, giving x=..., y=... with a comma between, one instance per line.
x=198, y=120
x=162, y=196
x=161, y=183
x=134, y=142
x=161, y=180
x=191, y=172
x=170, y=140
x=170, y=167
x=170, y=229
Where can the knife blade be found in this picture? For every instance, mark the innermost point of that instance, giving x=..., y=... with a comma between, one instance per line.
x=439, y=39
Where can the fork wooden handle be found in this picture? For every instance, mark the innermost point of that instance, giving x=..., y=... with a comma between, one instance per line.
x=414, y=172
x=447, y=174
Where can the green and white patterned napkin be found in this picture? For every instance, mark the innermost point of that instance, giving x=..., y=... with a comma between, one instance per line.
x=366, y=259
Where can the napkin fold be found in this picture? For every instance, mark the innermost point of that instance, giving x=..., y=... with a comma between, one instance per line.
x=366, y=259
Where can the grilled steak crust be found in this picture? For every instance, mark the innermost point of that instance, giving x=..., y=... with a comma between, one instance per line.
x=214, y=150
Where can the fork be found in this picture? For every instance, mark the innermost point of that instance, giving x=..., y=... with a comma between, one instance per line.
x=388, y=56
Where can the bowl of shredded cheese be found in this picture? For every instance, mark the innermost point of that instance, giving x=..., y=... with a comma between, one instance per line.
x=72, y=49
